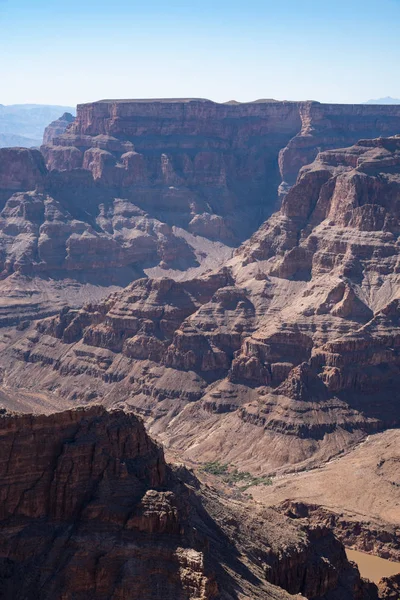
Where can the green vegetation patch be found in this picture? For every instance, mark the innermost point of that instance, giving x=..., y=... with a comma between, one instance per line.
x=232, y=476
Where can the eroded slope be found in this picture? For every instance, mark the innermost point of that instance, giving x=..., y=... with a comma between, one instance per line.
x=91, y=510
x=294, y=341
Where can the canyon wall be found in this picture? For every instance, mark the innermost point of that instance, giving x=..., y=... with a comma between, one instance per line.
x=57, y=127
x=298, y=129
x=89, y=508
x=167, y=187
x=295, y=338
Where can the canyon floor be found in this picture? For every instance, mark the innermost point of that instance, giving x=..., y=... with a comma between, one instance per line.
x=364, y=483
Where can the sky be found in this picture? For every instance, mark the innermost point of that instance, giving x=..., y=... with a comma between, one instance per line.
x=75, y=51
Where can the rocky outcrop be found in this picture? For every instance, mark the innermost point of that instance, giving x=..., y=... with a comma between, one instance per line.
x=39, y=234
x=57, y=127
x=389, y=587
x=353, y=534
x=364, y=536
x=200, y=161
x=21, y=169
x=89, y=507
x=326, y=126
x=89, y=493
x=338, y=230
x=190, y=163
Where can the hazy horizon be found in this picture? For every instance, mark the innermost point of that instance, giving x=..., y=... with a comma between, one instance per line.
x=70, y=108
x=81, y=52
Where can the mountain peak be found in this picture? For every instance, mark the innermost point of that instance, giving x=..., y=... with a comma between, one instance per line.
x=385, y=100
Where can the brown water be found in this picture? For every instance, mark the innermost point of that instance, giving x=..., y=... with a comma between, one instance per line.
x=373, y=567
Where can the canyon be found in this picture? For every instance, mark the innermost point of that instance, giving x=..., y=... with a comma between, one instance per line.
x=229, y=272
x=165, y=187
x=91, y=509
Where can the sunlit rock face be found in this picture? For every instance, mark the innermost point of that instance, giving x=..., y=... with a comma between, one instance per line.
x=166, y=187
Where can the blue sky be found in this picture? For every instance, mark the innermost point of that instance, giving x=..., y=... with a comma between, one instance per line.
x=78, y=51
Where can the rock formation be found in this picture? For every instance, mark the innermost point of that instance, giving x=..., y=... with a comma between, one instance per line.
x=155, y=188
x=241, y=140
x=57, y=127
x=294, y=339
x=21, y=169
x=353, y=533
x=89, y=508
x=389, y=588
x=335, y=238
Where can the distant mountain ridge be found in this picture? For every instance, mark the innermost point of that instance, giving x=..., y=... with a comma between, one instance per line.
x=24, y=124
x=386, y=100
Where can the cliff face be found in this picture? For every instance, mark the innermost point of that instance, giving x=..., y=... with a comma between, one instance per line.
x=90, y=509
x=237, y=131
x=154, y=188
x=186, y=162
x=20, y=169
x=353, y=533
x=326, y=126
x=209, y=158
x=87, y=492
x=57, y=127
x=338, y=230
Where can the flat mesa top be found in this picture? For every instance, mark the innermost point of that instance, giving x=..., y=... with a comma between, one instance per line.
x=154, y=100
x=183, y=100
x=368, y=109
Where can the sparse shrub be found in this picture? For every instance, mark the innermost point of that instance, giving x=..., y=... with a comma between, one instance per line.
x=215, y=468
x=232, y=476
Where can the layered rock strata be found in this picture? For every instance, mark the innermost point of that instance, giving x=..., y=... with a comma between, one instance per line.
x=155, y=188
x=296, y=339
x=366, y=537
x=90, y=509
x=57, y=127
x=238, y=133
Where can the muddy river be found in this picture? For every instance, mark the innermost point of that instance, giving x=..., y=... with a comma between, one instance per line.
x=373, y=567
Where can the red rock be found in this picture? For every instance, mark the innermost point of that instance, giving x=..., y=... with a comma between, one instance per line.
x=389, y=587
x=21, y=169
x=88, y=503
x=161, y=187
x=305, y=316
x=57, y=127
